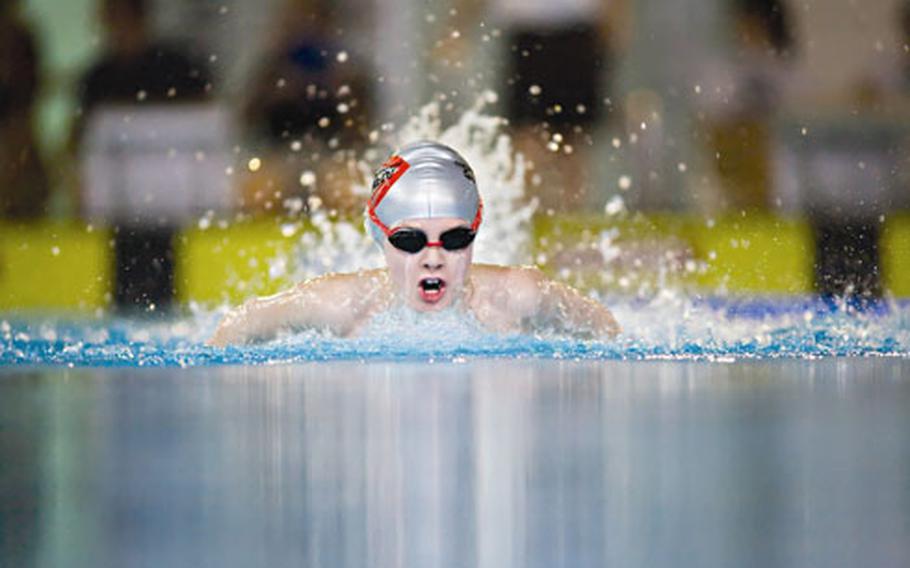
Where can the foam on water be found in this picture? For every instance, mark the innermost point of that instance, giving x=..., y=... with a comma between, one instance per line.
x=696, y=329
x=660, y=320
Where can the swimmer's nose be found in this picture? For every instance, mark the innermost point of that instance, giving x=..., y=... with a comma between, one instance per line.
x=432, y=259
x=432, y=265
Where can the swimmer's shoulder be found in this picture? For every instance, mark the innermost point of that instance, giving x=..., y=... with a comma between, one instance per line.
x=359, y=286
x=341, y=301
x=518, y=275
x=515, y=287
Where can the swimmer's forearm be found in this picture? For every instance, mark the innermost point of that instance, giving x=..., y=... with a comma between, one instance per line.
x=241, y=325
x=579, y=313
x=605, y=324
x=259, y=318
x=591, y=317
x=323, y=303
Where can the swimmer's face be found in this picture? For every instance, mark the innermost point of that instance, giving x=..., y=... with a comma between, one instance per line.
x=433, y=278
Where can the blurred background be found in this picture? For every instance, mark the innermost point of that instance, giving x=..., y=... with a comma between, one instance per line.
x=158, y=153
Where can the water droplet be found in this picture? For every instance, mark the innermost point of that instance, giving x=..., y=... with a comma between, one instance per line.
x=141, y=95
x=342, y=56
x=615, y=205
x=293, y=205
x=307, y=178
x=55, y=251
x=288, y=229
x=535, y=90
x=254, y=164
x=625, y=182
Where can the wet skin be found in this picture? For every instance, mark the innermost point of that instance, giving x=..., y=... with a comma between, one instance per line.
x=432, y=278
x=502, y=298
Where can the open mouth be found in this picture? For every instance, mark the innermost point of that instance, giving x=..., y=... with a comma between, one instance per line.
x=431, y=289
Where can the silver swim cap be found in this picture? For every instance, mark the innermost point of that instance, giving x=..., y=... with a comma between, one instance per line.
x=423, y=180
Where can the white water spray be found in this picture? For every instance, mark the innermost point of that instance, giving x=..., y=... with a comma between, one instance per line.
x=505, y=237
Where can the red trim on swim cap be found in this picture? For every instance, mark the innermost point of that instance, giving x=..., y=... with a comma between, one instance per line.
x=386, y=176
x=475, y=224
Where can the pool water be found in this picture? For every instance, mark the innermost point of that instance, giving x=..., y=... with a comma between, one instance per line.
x=487, y=462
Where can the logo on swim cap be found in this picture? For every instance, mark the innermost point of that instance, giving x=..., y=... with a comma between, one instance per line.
x=386, y=175
x=468, y=172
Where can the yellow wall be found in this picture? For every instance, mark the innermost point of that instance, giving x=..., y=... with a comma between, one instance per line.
x=66, y=267
x=54, y=266
x=895, y=245
x=219, y=265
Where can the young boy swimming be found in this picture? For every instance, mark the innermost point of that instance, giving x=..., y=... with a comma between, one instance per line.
x=424, y=213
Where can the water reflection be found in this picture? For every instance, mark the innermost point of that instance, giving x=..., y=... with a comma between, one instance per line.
x=493, y=463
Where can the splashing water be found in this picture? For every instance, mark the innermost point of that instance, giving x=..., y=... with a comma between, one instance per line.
x=660, y=320
x=341, y=246
x=698, y=329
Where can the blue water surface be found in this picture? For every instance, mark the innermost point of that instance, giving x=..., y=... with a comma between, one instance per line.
x=719, y=329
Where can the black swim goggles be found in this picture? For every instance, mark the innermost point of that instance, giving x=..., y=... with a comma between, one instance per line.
x=412, y=240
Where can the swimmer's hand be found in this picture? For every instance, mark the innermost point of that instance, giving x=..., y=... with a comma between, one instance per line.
x=241, y=325
x=229, y=331
x=566, y=309
x=260, y=319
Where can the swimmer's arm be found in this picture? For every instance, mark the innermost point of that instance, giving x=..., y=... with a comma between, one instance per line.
x=333, y=303
x=556, y=305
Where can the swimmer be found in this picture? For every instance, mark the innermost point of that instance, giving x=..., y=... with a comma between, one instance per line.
x=424, y=213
